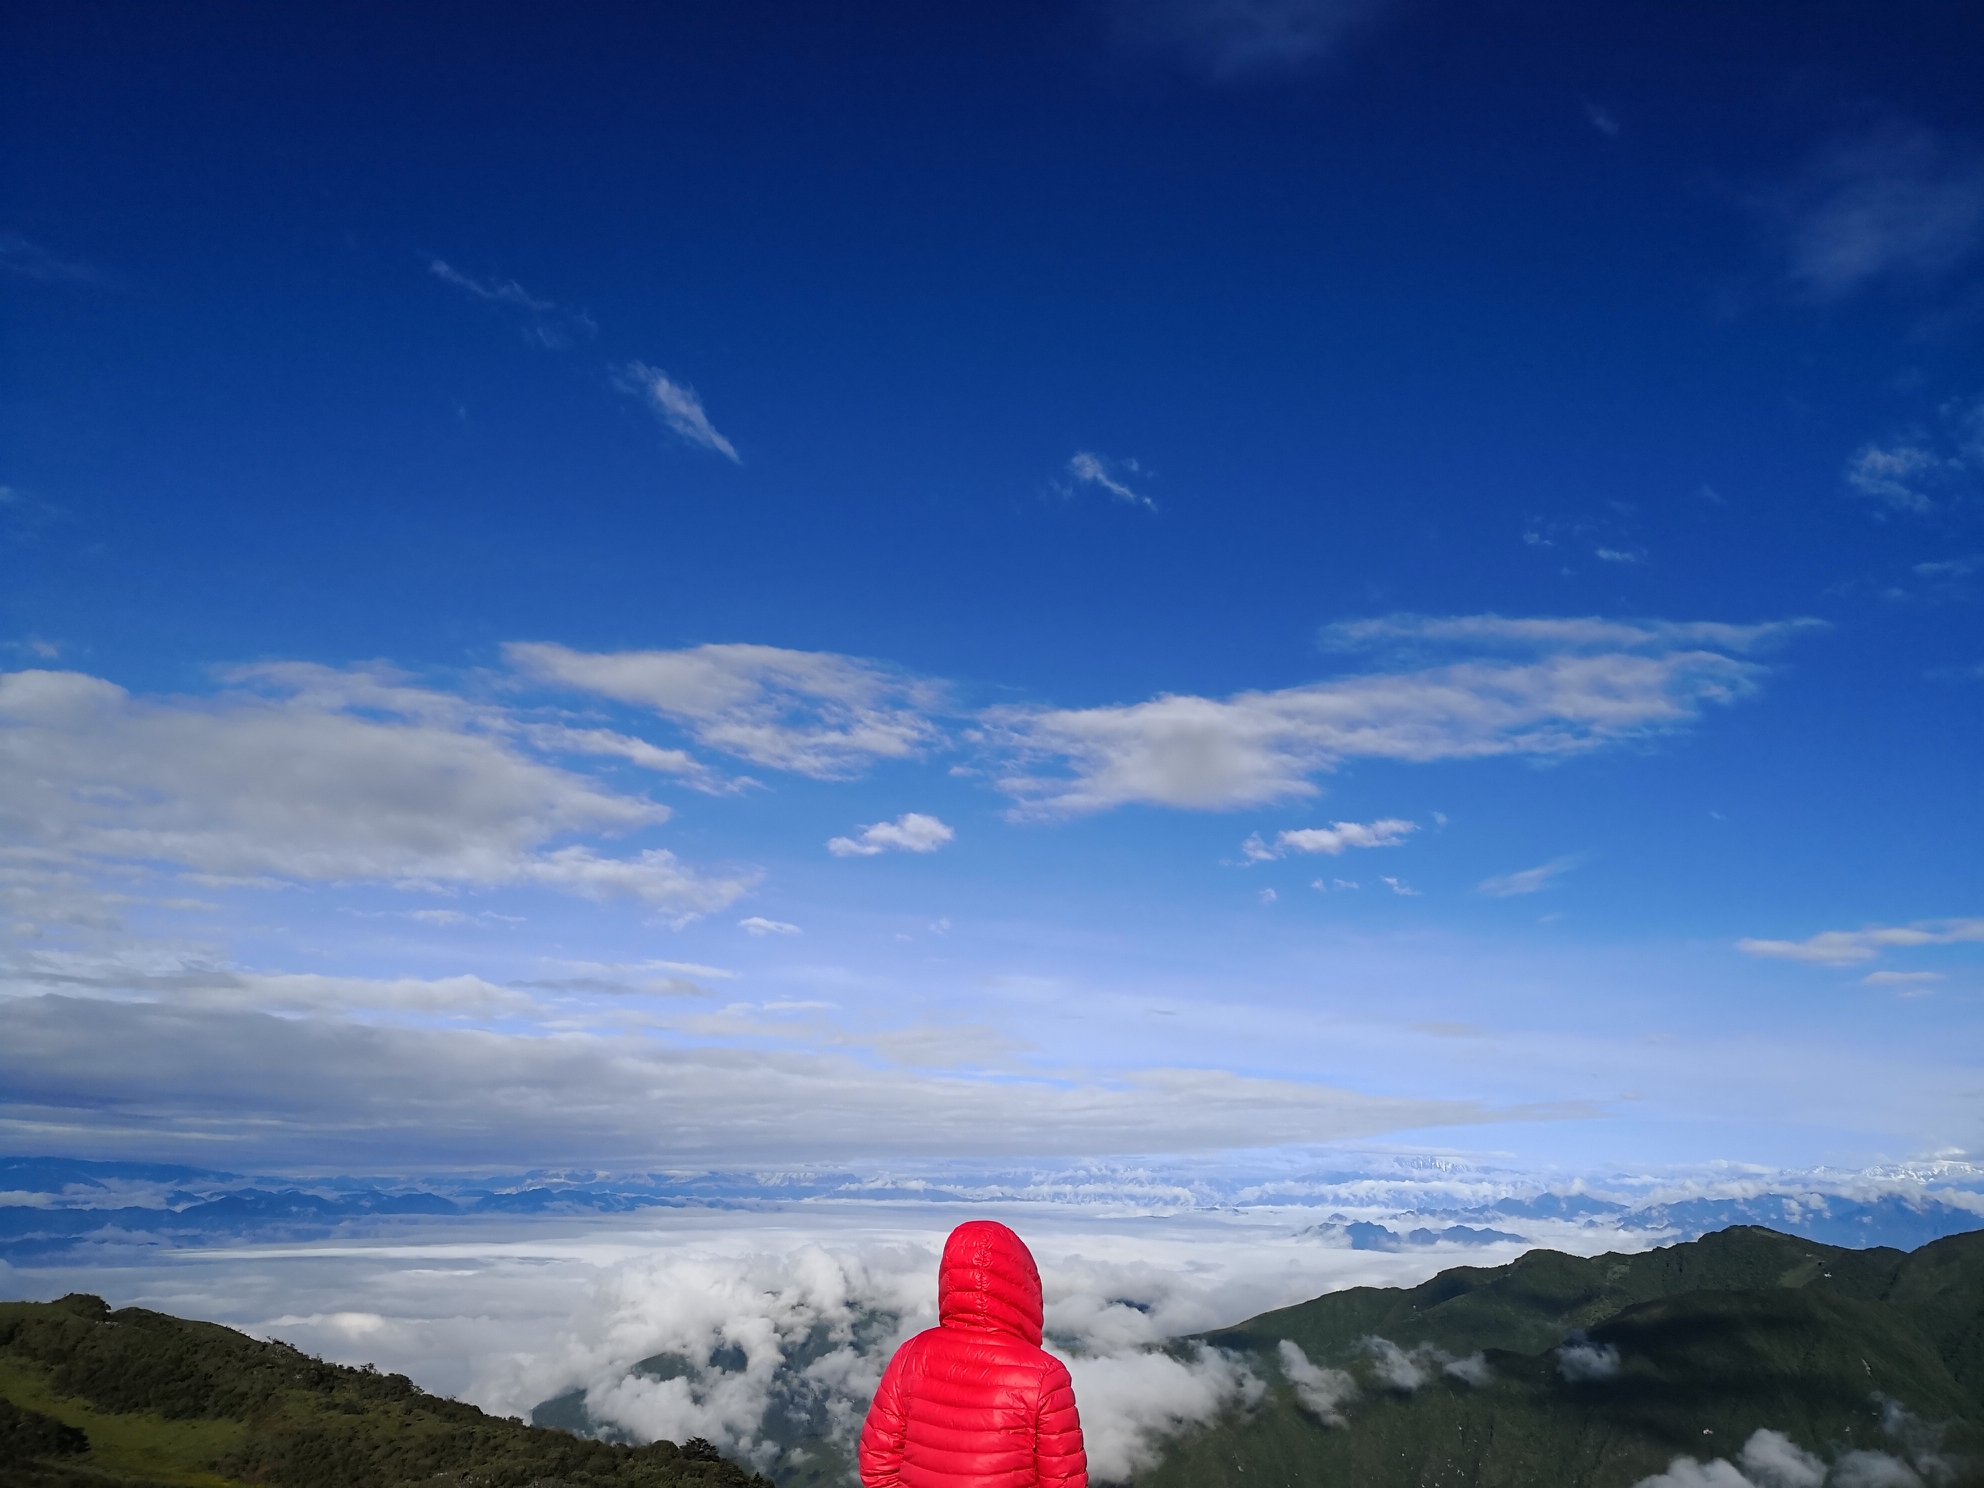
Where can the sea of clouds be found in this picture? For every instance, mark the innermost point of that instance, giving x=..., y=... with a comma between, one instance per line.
x=773, y=1310
x=776, y=1298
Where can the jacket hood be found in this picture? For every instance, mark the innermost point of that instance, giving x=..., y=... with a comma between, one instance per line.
x=988, y=1283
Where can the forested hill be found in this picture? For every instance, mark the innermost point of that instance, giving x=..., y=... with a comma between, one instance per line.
x=129, y=1398
x=1559, y=1371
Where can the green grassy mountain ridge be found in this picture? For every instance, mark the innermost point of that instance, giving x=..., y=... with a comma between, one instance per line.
x=1597, y=1372
x=137, y=1399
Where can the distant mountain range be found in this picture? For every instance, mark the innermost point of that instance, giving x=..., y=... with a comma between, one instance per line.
x=1796, y=1364
x=64, y=1208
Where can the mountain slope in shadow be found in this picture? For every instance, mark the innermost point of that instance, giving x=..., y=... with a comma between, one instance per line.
x=1559, y=1371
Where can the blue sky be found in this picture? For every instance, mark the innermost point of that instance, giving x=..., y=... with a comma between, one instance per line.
x=661, y=588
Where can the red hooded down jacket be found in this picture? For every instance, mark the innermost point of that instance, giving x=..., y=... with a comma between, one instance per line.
x=975, y=1402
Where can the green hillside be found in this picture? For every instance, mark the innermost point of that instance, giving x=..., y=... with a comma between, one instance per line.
x=130, y=1398
x=1688, y=1349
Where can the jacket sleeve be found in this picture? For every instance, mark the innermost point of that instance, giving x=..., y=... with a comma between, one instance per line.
x=883, y=1433
x=1059, y=1459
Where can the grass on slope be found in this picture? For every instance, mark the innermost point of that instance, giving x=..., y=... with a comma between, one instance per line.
x=138, y=1445
x=195, y=1405
x=1688, y=1351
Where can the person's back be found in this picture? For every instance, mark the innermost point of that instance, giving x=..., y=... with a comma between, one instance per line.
x=975, y=1402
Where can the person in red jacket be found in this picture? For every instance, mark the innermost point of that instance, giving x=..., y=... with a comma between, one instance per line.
x=975, y=1402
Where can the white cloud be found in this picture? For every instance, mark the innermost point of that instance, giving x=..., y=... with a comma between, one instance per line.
x=1333, y=839
x=1619, y=555
x=1130, y=1401
x=1091, y=469
x=679, y=407
x=1410, y=1370
x=159, y=1079
x=758, y=925
x=304, y=773
x=1528, y=881
x=196, y=982
x=654, y=878
x=1850, y=947
x=1687, y=1472
x=1866, y=1469
x=1772, y=1458
x=1579, y=1361
x=1267, y=896
x=1897, y=204
x=910, y=832
x=1602, y=120
x=1403, y=890
x=810, y=712
x=624, y=978
x=1546, y=688
x=1322, y=1392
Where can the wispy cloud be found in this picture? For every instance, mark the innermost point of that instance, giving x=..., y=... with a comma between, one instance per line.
x=1925, y=470
x=23, y=516
x=1226, y=40
x=1403, y=890
x=1908, y=983
x=1322, y=1392
x=1088, y=469
x=1528, y=881
x=910, y=832
x=1546, y=688
x=811, y=712
x=29, y=260
x=1602, y=119
x=1333, y=839
x=546, y=323
x=558, y=738
x=758, y=925
x=1896, y=475
x=1579, y=1361
x=1851, y=947
x=281, y=1089
x=502, y=291
x=678, y=406
x=1899, y=203
x=1950, y=568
